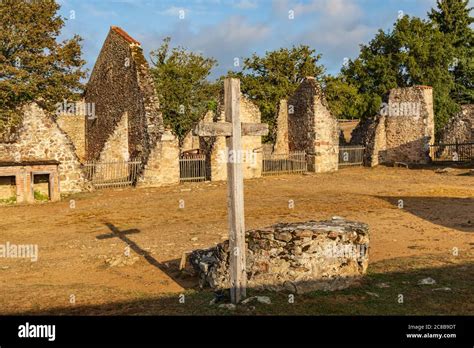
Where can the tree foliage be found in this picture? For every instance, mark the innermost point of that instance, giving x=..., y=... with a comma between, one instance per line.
x=343, y=99
x=415, y=52
x=435, y=52
x=34, y=66
x=181, y=81
x=275, y=76
x=453, y=19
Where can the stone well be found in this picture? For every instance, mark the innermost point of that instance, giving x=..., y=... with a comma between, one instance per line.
x=298, y=257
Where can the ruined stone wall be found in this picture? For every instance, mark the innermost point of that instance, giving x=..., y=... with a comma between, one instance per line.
x=312, y=128
x=376, y=148
x=369, y=133
x=190, y=142
x=116, y=146
x=251, y=145
x=298, y=257
x=40, y=138
x=409, y=134
x=281, y=142
x=120, y=83
x=162, y=167
x=75, y=127
x=128, y=122
x=403, y=130
x=460, y=127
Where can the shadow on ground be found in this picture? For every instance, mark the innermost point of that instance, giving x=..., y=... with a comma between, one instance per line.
x=170, y=267
x=391, y=287
x=455, y=213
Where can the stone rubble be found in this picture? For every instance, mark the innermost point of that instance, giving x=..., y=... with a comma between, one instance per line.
x=260, y=299
x=427, y=281
x=299, y=257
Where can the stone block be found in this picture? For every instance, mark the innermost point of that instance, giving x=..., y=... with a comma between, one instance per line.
x=333, y=256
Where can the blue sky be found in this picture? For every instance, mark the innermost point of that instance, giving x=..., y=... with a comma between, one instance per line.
x=226, y=29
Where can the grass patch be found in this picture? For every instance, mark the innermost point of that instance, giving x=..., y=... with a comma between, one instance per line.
x=39, y=196
x=11, y=200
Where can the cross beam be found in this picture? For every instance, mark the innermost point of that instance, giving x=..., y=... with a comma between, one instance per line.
x=213, y=129
x=233, y=130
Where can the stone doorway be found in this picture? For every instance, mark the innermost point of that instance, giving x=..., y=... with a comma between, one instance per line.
x=41, y=186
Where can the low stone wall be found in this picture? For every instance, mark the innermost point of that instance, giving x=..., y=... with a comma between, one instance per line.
x=298, y=257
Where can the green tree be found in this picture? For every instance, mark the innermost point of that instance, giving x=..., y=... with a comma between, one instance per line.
x=415, y=52
x=343, y=99
x=181, y=81
x=275, y=76
x=33, y=65
x=453, y=19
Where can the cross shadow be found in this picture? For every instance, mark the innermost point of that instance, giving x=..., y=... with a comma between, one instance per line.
x=169, y=267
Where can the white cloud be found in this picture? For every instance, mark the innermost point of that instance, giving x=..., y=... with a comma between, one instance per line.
x=174, y=11
x=246, y=4
x=234, y=37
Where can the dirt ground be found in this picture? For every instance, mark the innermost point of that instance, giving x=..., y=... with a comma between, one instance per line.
x=82, y=263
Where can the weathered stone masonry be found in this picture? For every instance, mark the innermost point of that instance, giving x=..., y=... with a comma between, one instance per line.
x=128, y=123
x=116, y=87
x=312, y=128
x=298, y=257
x=459, y=128
x=215, y=147
x=402, y=132
x=41, y=139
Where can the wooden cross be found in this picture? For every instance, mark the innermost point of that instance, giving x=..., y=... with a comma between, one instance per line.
x=233, y=130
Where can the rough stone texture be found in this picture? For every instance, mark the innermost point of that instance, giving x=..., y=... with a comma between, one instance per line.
x=75, y=127
x=39, y=139
x=371, y=133
x=121, y=84
x=163, y=164
x=281, y=141
x=312, y=128
x=116, y=146
x=190, y=142
x=408, y=137
x=214, y=147
x=298, y=257
x=459, y=128
x=403, y=136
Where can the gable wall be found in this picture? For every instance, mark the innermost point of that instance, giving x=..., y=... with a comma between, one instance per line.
x=40, y=138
